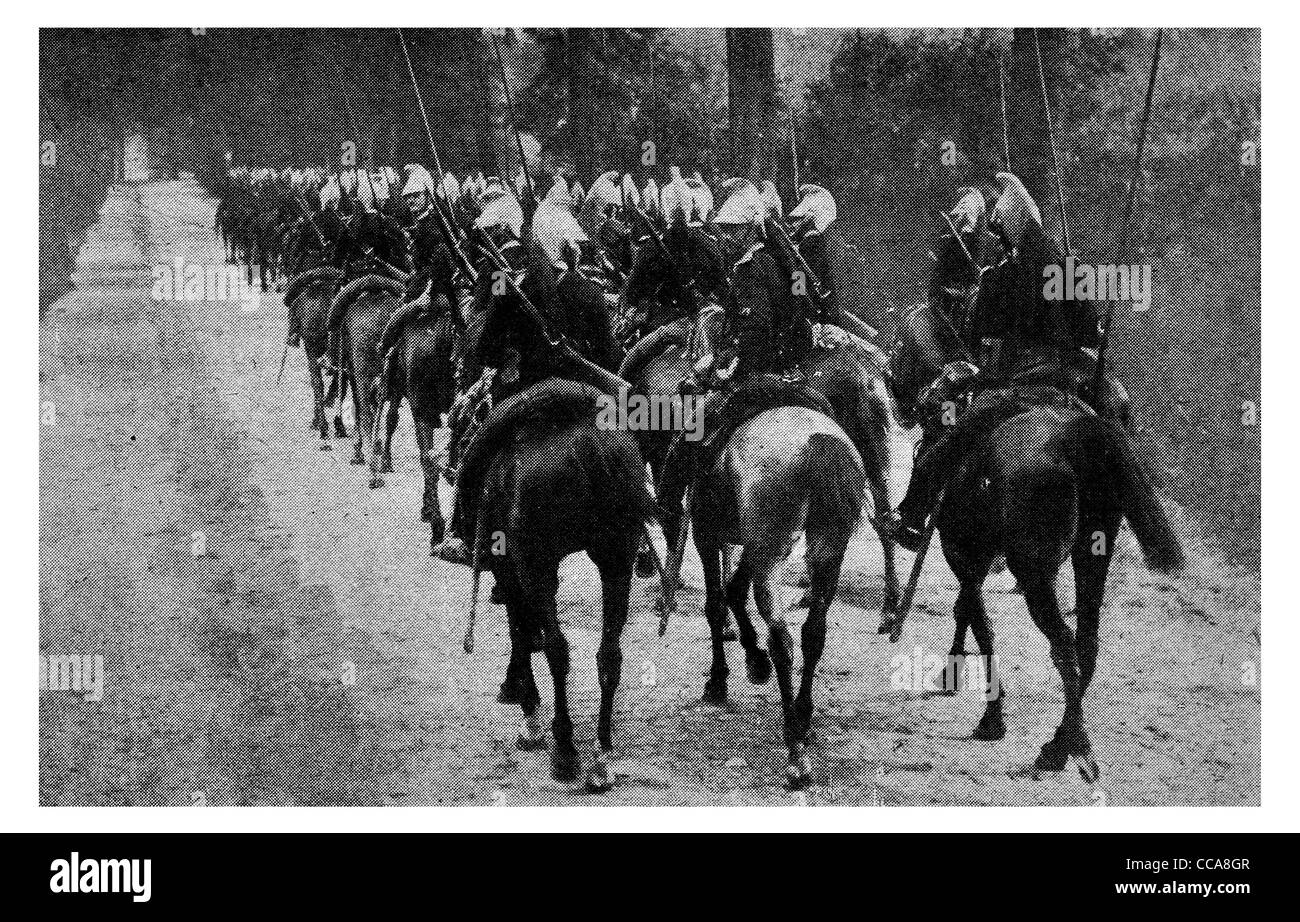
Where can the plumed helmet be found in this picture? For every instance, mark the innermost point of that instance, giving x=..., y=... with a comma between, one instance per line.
x=556, y=231
x=577, y=193
x=701, y=201
x=603, y=196
x=742, y=203
x=969, y=214
x=330, y=193
x=1015, y=209
x=629, y=195
x=450, y=188
x=559, y=194
x=816, y=205
x=772, y=201
x=500, y=209
x=418, y=179
x=677, y=202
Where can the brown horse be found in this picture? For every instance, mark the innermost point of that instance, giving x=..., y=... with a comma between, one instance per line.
x=561, y=486
x=1052, y=483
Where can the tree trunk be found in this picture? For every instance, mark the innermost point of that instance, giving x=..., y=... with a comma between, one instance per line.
x=751, y=94
x=580, y=50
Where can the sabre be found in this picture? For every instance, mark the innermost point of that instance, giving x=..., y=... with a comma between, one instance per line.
x=895, y=624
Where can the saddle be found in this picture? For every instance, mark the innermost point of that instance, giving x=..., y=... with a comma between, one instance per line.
x=304, y=280
x=357, y=287
x=412, y=310
x=754, y=396
x=549, y=404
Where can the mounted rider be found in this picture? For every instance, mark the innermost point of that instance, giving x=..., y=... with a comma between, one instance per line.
x=1037, y=342
x=958, y=258
x=312, y=242
x=521, y=329
x=675, y=279
x=769, y=335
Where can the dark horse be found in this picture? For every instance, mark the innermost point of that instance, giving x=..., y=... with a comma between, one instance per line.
x=847, y=371
x=422, y=369
x=559, y=486
x=359, y=313
x=309, y=295
x=1054, y=483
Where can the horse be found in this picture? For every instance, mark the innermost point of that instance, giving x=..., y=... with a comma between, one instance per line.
x=848, y=373
x=562, y=485
x=310, y=294
x=1054, y=483
x=359, y=313
x=423, y=372
x=787, y=471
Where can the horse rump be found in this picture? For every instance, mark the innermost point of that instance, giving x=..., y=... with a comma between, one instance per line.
x=837, y=483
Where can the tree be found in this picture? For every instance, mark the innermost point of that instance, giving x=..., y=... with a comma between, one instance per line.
x=752, y=102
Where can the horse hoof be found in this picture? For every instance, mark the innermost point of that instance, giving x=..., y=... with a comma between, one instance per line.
x=759, y=667
x=532, y=736
x=599, y=777
x=798, y=774
x=1088, y=768
x=387, y=468
x=715, y=692
x=645, y=566
x=1052, y=758
x=357, y=461
x=729, y=633
x=376, y=483
x=565, y=765
x=340, y=431
x=326, y=446
x=990, y=731
x=511, y=692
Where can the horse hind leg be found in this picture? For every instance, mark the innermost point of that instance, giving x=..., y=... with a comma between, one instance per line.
x=1091, y=561
x=616, y=584
x=390, y=427
x=1070, y=740
x=780, y=647
x=758, y=665
x=715, y=688
x=970, y=611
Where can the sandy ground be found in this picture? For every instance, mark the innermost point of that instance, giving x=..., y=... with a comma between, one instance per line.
x=274, y=632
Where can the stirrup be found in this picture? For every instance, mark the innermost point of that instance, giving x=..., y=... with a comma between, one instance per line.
x=892, y=527
x=453, y=550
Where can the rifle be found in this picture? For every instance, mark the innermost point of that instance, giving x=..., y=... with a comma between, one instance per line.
x=844, y=316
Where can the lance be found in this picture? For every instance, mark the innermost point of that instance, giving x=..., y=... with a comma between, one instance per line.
x=1125, y=228
x=514, y=125
x=1006, y=130
x=1051, y=143
x=445, y=224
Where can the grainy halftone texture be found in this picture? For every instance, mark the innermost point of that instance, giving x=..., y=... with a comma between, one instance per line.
x=274, y=630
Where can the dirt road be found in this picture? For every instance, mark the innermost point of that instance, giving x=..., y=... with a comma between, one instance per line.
x=274, y=632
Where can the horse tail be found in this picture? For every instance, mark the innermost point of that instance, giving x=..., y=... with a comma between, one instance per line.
x=1161, y=547
x=838, y=479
